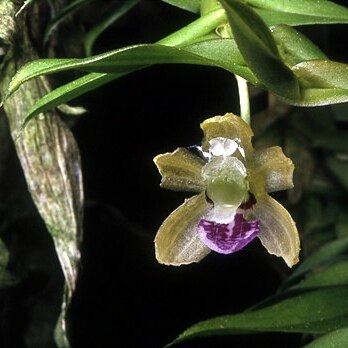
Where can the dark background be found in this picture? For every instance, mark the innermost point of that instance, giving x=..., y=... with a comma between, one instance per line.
x=124, y=298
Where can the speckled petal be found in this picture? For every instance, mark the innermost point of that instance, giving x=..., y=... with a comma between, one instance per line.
x=228, y=126
x=278, y=230
x=177, y=241
x=180, y=170
x=274, y=168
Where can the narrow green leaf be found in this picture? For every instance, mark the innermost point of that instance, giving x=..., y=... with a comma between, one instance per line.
x=335, y=339
x=293, y=46
x=192, y=5
x=69, y=91
x=335, y=275
x=339, y=168
x=62, y=15
x=209, y=5
x=326, y=254
x=300, y=12
x=191, y=33
x=332, y=141
x=317, y=311
x=259, y=49
x=6, y=278
x=273, y=18
x=340, y=112
x=95, y=32
x=220, y=51
x=136, y=56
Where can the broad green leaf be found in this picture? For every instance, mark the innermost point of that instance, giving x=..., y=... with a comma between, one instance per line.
x=300, y=12
x=320, y=96
x=226, y=53
x=95, y=32
x=192, y=5
x=315, y=312
x=335, y=339
x=63, y=14
x=259, y=49
x=322, y=74
x=293, y=46
x=139, y=56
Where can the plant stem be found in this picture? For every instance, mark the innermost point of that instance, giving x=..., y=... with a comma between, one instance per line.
x=243, y=99
x=202, y=26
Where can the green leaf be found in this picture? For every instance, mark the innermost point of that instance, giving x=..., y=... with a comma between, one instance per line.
x=315, y=312
x=69, y=91
x=95, y=32
x=340, y=112
x=293, y=46
x=6, y=277
x=322, y=82
x=335, y=339
x=300, y=12
x=63, y=14
x=259, y=49
x=331, y=276
x=220, y=52
x=320, y=96
x=341, y=225
x=192, y=5
x=339, y=168
x=138, y=56
x=322, y=74
x=326, y=254
x=225, y=53
x=332, y=141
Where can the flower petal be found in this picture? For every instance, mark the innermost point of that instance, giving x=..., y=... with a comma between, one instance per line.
x=278, y=230
x=274, y=168
x=230, y=237
x=177, y=241
x=180, y=170
x=228, y=126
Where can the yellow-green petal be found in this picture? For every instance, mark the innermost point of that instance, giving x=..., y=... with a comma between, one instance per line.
x=272, y=168
x=228, y=126
x=180, y=170
x=278, y=232
x=177, y=241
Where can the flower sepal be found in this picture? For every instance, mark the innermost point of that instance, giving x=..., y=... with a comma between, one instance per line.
x=232, y=207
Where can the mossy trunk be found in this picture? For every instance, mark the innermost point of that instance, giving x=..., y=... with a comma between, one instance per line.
x=46, y=148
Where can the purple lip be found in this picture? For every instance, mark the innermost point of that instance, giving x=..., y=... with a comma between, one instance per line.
x=228, y=238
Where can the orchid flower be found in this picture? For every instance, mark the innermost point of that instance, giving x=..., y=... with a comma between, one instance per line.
x=231, y=206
